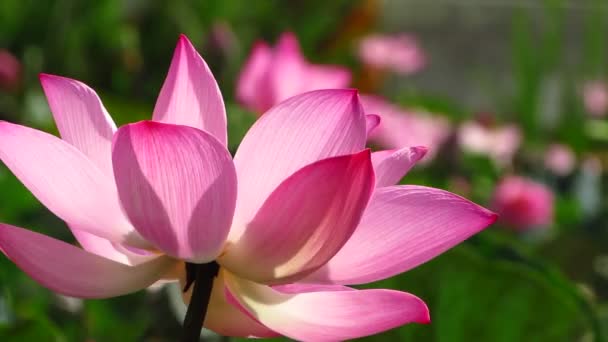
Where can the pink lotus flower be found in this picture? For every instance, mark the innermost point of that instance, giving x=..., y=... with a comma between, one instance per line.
x=399, y=53
x=272, y=75
x=10, y=70
x=312, y=210
x=397, y=127
x=560, y=159
x=498, y=143
x=523, y=203
x=595, y=98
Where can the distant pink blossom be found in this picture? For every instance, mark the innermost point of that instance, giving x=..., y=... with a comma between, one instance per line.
x=398, y=53
x=523, y=203
x=498, y=143
x=313, y=210
x=221, y=41
x=560, y=159
x=400, y=127
x=273, y=74
x=595, y=98
x=10, y=70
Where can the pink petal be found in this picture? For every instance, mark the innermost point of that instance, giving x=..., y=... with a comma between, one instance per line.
x=401, y=127
x=301, y=288
x=403, y=227
x=227, y=319
x=190, y=95
x=391, y=166
x=371, y=122
x=71, y=271
x=327, y=315
x=177, y=185
x=297, y=132
x=81, y=119
x=305, y=221
x=66, y=182
x=252, y=86
x=109, y=250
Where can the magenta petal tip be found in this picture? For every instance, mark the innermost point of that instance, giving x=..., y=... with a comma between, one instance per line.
x=353, y=93
x=43, y=77
x=490, y=216
x=372, y=121
x=184, y=43
x=424, y=314
x=374, y=118
x=426, y=320
x=183, y=39
x=420, y=150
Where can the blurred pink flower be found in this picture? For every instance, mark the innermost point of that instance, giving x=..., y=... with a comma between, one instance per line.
x=498, y=143
x=523, y=203
x=272, y=75
x=221, y=43
x=169, y=188
x=399, y=127
x=595, y=98
x=560, y=159
x=222, y=38
x=398, y=53
x=10, y=70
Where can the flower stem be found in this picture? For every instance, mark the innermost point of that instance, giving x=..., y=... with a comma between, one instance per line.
x=202, y=276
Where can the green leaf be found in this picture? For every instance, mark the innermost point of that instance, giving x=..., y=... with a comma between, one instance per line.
x=34, y=330
x=477, y=297
x=239, y=122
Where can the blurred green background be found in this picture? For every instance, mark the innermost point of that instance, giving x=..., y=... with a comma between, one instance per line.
x=524, y=61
